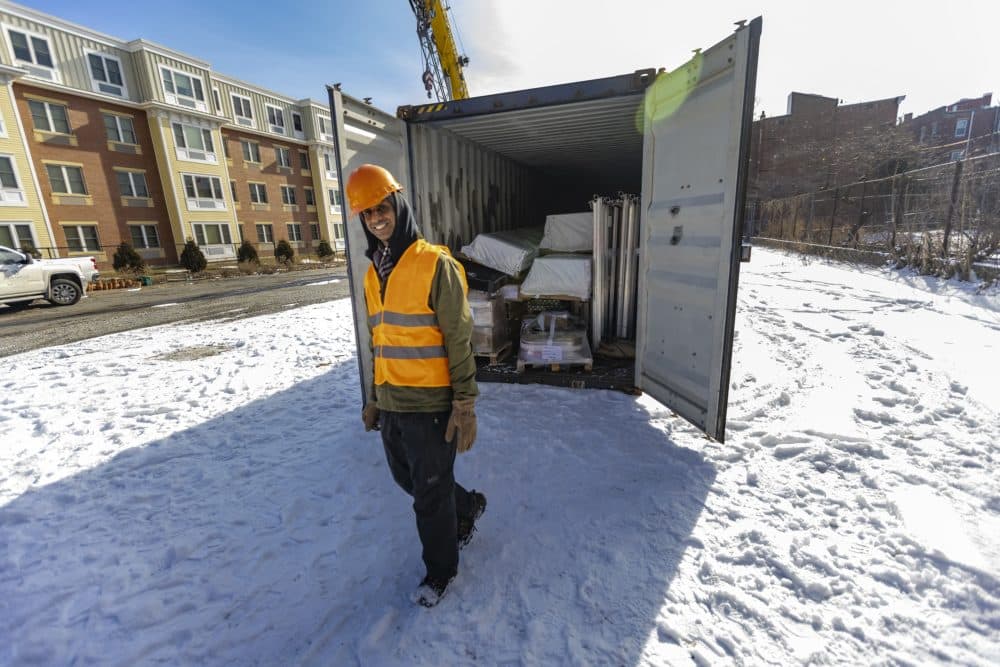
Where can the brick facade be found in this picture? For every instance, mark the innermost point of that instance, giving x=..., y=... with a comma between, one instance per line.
x=88, y=146
x=815, y=145
x=945, y=133
x=273, y=176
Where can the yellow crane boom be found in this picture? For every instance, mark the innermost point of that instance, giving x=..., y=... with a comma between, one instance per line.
x=443, y=65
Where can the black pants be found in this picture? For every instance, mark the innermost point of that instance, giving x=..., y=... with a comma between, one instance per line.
x=423, y=464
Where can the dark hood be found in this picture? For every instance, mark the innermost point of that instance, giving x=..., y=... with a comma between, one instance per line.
x=404, y=234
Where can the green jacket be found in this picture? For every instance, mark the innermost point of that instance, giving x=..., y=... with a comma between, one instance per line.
x=449, y=303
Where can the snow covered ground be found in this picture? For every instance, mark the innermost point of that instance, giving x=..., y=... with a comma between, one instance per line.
x=206, y=494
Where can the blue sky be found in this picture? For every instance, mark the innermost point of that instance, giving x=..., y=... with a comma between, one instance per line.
x=859, y=50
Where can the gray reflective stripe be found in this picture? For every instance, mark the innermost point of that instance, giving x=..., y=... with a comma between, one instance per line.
x=402, y=319
x=427, y=352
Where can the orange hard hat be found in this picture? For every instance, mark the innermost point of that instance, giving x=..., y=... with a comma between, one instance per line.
x=368, y=185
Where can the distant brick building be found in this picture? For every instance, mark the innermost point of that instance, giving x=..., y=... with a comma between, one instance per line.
x=817, y=144
x=946, y=132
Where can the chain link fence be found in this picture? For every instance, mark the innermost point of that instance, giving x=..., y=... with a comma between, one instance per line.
x=943, y=219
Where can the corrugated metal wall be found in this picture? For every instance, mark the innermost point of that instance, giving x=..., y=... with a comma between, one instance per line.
x=469, y=190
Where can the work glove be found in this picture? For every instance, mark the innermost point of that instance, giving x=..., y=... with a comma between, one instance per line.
x=462, y=424
x=369, y=415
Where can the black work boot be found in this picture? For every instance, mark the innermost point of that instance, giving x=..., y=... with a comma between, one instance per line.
x=467, y=524
x=430, y=591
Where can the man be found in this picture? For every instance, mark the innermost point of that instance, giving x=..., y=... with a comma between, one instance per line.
x=423, y=398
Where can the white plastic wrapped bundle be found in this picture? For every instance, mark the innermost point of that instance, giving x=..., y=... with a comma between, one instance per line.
x=569, y=232
x=553, y=337
x=558, y=275
x=510, y=252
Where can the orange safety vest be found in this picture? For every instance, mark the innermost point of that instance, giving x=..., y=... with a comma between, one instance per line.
x=408, y=344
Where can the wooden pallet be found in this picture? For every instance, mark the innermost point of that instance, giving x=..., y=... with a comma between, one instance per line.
x=555, y=367
x=496, y=356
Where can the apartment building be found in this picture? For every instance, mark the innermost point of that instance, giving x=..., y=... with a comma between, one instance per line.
x=104, y=141
x=948, y=132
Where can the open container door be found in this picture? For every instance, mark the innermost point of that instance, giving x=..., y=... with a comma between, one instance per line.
x=363, y=134
x=697, y=122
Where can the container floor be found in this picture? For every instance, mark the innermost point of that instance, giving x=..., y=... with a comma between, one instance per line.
x=617, y=374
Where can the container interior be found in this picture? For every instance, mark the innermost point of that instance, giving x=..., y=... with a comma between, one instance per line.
x=512, y=168
x=562, y=154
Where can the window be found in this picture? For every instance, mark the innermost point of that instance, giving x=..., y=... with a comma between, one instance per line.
x=106, y=74
x=314, y=231
x=8, y=256
x=330, y=164
x=10, y=185
x=120, y=129
x=183, y=89
x=265, y=234
x=923, y=133
x=961, y=127
x=194, y=143
x=49, y=117
x=15, y=235
x=934, y=129
x=310, y=197
x=203, y=192
x=303, y=160
x=132, y=184
x=242, y=111
x=258, y=193
x=282, y=156
x=276, y=119
x=251, y=151
x=66, y=179
x=297, y=124
x=217, y=99
x=232, y=188
x=211, y=233
x=287, y=194
x=294, y=231
x=324, y=128
x=82, y=238
x=34, y=50
x=956, y=155
x=335, y=199
x=144, y=236
x=8, y=179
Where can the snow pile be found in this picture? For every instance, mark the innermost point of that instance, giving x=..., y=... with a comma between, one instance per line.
x=205, y=494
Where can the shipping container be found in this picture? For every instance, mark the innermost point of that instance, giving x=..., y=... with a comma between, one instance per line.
x=679, y=139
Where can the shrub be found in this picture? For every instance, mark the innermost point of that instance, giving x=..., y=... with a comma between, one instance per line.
x=127, y=260
x=247, y=253
x=283, y=252
x=324, y=250
x=192, y=258
x=28, y=248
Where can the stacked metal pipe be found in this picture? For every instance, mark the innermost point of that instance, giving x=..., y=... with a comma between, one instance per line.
x=615, y=273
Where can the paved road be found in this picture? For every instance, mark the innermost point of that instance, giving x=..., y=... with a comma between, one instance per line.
x=111, y=311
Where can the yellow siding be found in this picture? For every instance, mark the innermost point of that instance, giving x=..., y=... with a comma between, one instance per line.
x=68, y=51
x=171, y=172
x=13, y=144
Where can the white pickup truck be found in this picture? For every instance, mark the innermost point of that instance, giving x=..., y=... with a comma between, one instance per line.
x=61, y=281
